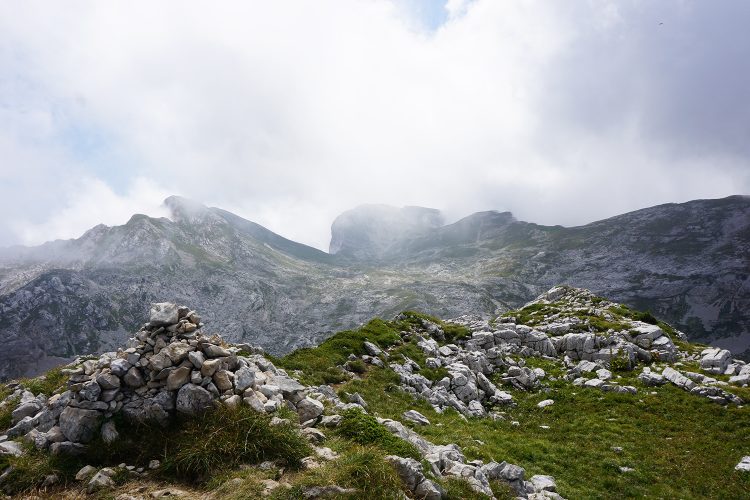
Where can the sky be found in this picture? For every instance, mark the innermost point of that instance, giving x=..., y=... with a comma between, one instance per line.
x=290, y=112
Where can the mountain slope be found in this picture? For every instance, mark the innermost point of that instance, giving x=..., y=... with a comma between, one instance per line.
x=686, y=262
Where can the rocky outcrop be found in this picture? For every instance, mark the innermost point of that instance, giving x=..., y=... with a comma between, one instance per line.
x=68, y=298
x=168, y=367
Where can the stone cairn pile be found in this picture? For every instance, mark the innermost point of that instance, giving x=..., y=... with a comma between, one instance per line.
x=168, y=367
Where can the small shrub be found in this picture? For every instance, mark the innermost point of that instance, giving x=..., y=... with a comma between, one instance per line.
x=333, y=375
x=46, y=384
x=195, y=448
x=434, y=374
x=367, y=470
x=365, y=429
x=646, y=317
x=6, y=412
x=620, y=362
x=454, y=333
x=228, y=437
x=356, y=366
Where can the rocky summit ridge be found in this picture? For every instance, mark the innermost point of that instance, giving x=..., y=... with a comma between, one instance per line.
x=686, y=262
x=563, y=352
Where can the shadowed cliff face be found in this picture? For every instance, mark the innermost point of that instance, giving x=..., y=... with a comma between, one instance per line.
x=686, y=262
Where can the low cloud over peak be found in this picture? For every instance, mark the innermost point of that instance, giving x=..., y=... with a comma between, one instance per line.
x=289, y=113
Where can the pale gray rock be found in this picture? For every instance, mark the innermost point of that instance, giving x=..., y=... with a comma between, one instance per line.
x=108, y=381
x=79, y=425
x=28, y=409
x=193, y=400
x=412, y=474
x=415, y=417
x=372, y=349
x=119, y=367
x=86, y=473
x=109, y=432
x=714, y=360
x=197, y=358
x=244, y=378
x=101, y=480
x=163, y=313
x=91, y=391
x=11, y=448
x=651, y=379
x=744, y=464
x=309, y=409
x=677, y=378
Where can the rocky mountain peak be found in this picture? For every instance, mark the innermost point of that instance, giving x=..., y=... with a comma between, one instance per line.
x=185, y=210
x=370, y=231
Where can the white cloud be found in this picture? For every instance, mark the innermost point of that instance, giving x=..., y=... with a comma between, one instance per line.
x=89, y=202
x=291, y=112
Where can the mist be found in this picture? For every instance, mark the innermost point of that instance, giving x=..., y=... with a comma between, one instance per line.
x=289, y=113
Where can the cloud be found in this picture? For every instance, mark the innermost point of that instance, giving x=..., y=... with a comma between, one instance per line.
x=89, y=202
x=291, y=112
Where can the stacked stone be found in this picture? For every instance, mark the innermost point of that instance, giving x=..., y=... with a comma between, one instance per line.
x=168, y=367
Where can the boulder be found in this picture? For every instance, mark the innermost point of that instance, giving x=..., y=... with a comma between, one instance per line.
x=214, y=351
x=714, y=360
x=163, y=314
x=133, y=378
x=177, y=351
x=244, y=378
x=119, y=367
x=108, y=381
x=309, y=409
x=744, y=464
x=223, y=380
x=411, y=473
x=177, y=378
x=101, y=480
x=85, y=473
x=372, y=349
x=193, y=400
x=109, y=432
x=11, y=448
x=79, y=425
x=415, y=417
x=677, y=378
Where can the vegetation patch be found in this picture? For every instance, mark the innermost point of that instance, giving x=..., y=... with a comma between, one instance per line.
x=46, y=384
x=365, y=429
x=319, y=365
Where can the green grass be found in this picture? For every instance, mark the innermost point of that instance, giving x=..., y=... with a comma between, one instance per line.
x=681, y=446
x=319, y=365
x=191, y=450
x=6, y=412
x=363, y=468
x=46, y=384
x=364, y=429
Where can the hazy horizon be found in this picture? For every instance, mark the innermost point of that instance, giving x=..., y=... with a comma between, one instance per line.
x=289, y=113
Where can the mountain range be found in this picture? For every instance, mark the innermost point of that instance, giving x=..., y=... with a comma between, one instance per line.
x=688, y=263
